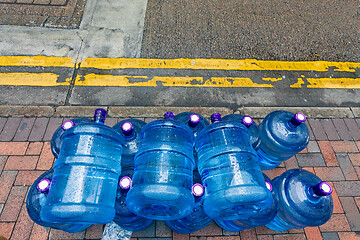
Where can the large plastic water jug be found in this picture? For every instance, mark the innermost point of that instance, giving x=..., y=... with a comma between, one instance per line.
x=304, y=200
x=86, y=174
x=36, y=199
x=250, y=124
x=234, y=184
x=163, y=171
x=130, y=130
x=123, y=217
x=261, y=218
x=198, y=218
x=56, y=138
x=195, y=122
x=282, y=135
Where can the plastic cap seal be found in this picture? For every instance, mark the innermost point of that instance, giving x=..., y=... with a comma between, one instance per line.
x=298, y=119
x=127, y=128
x=43, y=185
x=247, y=121
x=125, y=182
x=67, y=124
x=100, y=115
x=198, y=190
x=169, y=115
x=323, y=189
x=215, y=117
x=269, y=185
x=194, y=120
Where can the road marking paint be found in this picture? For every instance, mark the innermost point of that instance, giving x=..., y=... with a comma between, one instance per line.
x=272, y=79
x=144, y=81
x=337, y=83
x=31, y=79
x=218, y=64
x=37, y=61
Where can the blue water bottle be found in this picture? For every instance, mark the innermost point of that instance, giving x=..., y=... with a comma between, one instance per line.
x=86, y=174
x=195, y=122
x=234, y=184
x=123, y=217
x=250, y=124
x=56, y=138
x=162, y=178
x=36, y=199
x=282, y=135
x=130, y=130
x=198, y=218
x=304, y=200
x=261, y=218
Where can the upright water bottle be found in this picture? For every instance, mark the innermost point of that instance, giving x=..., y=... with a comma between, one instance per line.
x=56, y=138
x=234, y=185
x=195, y=122
x=164, y=165
x=261, y=218
x=198, y=218
x=304, y=200
x=86, y=174
x=282, y=135
x=130, y=130
x=123, y=217
x=36, y=199
x=250, y=124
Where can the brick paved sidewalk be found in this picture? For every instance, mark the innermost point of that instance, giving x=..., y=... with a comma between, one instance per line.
x=332, y=154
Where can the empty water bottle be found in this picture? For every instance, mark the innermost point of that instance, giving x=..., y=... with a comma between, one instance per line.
x=304, y=200
x=234, y=184
x=36, y=199
x=86, y=174
x=195, y=122
x=198, y=218
x=56, y=138
x=282, y=135
x=261, y=218
x=250, y=124
x=162, y=178
x=130, y=130
x=123, y=217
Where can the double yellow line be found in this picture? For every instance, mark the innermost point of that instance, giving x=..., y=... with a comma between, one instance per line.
x=91, y=79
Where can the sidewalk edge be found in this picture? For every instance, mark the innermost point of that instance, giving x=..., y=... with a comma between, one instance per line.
x=158, y=111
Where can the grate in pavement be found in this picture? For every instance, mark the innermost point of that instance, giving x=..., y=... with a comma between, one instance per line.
x=42, y=13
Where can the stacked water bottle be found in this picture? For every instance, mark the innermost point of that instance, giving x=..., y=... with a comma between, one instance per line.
x=180, y=169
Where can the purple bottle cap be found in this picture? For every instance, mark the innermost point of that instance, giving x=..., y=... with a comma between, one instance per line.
x=215, y=117
x=247, y=121
x=67, y=124
x=298, y=119
x=194, y=120
x=127, y=128
x=43, y=185
x=125, y=182
x=322, y=189
x=100, y=115
x=198, y=190
x=269, y=185
x=169, y=115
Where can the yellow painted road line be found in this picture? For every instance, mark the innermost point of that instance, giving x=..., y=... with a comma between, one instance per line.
x=31, y=79
x=144, y=81
x=335, y=83
x=217, y=64
x=37, y=61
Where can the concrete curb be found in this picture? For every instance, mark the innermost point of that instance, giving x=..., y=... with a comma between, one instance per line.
x=158, y=112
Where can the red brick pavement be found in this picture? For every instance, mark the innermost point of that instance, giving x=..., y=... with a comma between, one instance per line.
x=25, y=154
